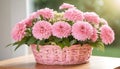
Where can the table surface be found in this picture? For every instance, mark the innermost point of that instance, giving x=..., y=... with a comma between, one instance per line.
x=28, y=62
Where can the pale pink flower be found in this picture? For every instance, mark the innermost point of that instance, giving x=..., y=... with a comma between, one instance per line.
x=73, y=15
x=94, y=36
x=61, y=29
x=103, y=21
x=107, y=34
x=66, y=6
x=18, y=32
x=27, y=22
x=92, y=17
x=34, y=15
x=82, y=30
x=42, y=30
x=46, y=13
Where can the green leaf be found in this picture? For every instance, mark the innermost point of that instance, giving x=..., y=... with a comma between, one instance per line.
x=70, y=22
x=9, y=45
x=15, y=43
x=17, y=47
x=73, y=42
x=31, y=40
x=57, y=40
x=37, y=48
x=12, y=44
x=66, y=42
x=42, y=42
x=63, y=42
x=61, y=45
x=20, y=43
x=99, y=45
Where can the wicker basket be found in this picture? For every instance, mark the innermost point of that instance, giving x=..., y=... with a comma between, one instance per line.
x=54, y=55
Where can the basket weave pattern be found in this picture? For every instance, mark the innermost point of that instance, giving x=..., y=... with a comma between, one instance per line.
x=54, y=55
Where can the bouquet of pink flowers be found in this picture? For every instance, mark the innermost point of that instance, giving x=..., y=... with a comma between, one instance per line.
x=66, y=28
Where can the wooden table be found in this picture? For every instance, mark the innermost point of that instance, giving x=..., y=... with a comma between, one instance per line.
x=28, y=62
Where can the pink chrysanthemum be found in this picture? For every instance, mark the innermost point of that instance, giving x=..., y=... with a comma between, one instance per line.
x=92, y=17
x=61, y=29
x=33, y=15
x=73, y=15
x=66, y=6
x=94, y=36
x=82, y=30
x=42, y=30
x=27, y=22
x=18, y=32
x=46, y=13
x=107, y=34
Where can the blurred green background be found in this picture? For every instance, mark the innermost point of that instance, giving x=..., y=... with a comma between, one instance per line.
x=107, y=9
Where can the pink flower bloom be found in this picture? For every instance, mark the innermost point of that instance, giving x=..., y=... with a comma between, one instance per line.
x=103, y=21
x=61, y=29
x=18, y=32
x=92, y=17
x=46, y=13
x=66, y=6
x=27, y=22
x=107, y=34
x=73, y=15
x=94, y=36
x=33, y=15
x=82, y=30
x=42, y=30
